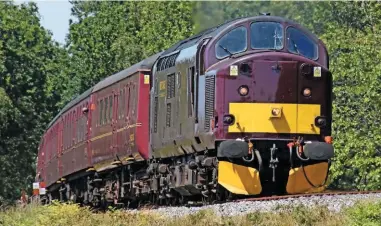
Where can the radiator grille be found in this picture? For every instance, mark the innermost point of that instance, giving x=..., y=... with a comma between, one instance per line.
x=168, y=116
x=209, y=100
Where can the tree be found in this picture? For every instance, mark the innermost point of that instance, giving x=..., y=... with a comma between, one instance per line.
x=29, y=63
x=107, y=37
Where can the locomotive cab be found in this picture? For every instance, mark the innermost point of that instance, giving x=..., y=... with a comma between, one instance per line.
x=273, y=93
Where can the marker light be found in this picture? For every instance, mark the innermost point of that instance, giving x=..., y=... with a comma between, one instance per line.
x=320, y=121
x=328, y=139
x=307, y=92
x=243, y=90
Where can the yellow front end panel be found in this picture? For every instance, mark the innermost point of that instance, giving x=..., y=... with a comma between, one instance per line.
x=258, y=118
x=239, y=179
x=306, y=118
x=297, y=182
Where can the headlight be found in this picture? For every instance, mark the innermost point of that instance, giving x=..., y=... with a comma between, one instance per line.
x=243, y=90
x=307, y=92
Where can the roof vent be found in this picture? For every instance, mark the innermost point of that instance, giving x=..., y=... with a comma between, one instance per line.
x=265, y=14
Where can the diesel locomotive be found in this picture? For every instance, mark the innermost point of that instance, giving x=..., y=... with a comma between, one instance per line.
x=240, y=109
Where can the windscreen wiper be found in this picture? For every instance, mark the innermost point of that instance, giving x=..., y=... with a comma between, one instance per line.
x=295, y=46
x=226, y=50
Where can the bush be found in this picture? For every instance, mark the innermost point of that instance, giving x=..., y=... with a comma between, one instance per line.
x=365, y=213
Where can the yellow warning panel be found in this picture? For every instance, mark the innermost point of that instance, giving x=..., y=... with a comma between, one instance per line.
x=306, y=118
x=297, y=182
x=239, y=179
x=259, y=117
x=274, y=118
x=234, y=70
x=163, y=85
x=146, y=79
x=317, y=72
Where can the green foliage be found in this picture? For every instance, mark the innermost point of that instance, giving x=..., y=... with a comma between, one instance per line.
x=364, y=214
x=107, y=37
x=356, y=108
x=28, y=65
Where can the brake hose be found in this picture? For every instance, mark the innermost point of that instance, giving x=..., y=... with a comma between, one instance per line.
x=249, y=160
x=260, y=166
x=298, y=154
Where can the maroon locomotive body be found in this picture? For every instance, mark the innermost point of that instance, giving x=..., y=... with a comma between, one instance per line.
x=243, y=108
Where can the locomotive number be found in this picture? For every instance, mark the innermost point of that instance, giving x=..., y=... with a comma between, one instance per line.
x=162, y=85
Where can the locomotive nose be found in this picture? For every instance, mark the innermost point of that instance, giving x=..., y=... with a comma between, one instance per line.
x=274, y=96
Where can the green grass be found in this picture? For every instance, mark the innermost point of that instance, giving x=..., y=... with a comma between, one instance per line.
x=363, y=213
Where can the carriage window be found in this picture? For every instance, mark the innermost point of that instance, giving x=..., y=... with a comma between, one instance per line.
x=128, y=101
x=69, y=131
x=110, y=112
x=299, y=43
x=124, y=102
x=266, y=35
x=101, y=113
x=235, y=41
x=105, y=111
x=120, y=104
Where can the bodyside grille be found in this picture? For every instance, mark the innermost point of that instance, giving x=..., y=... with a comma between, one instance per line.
x=171, y=86
x=209, y=100
x=168, y=116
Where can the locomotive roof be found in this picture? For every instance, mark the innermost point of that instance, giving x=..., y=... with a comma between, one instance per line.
x=214, y=31
x=145, y=64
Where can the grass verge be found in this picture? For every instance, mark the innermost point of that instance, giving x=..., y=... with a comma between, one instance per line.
x=362, y=213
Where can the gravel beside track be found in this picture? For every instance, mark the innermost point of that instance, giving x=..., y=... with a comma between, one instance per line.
x=334, y=202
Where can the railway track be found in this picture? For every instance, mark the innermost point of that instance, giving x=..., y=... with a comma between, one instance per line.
x=327, y=193
x=267, y=198
x=335, y=201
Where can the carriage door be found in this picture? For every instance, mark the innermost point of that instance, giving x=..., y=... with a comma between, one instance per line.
x=61, y=145
x=114, y=121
